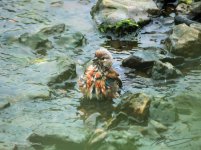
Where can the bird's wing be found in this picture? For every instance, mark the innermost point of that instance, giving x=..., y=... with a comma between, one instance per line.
x=112, y=74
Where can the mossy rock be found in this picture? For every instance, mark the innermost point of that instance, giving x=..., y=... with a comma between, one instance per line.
x=120, y=28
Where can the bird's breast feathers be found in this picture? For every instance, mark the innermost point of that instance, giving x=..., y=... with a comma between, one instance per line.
x=99, y=84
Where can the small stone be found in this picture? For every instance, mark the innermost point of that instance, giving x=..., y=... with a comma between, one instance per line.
x=98, y=136
x=92, y=120
x=143, y=59
x=158, y=126
x=4, y=104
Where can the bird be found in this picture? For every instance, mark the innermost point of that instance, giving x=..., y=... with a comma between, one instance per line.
x=100, y=80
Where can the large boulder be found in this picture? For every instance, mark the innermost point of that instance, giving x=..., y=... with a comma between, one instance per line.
x=122, y=16
x=185, y=41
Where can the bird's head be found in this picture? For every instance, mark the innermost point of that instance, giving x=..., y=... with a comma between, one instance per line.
x=103, y=58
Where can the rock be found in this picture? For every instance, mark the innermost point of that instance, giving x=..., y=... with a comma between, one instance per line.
x=57, y=35
x=144, y=59
x=4, y=104
x=40, y=40
x=71, y=40
x=196, y=8
x=185, y=41
x=183, y=8
x=36, y=41
x=179, y=19
x=122, y=17
x=196, y=26
x=136, y=105
x=166, y=70
x=51, y=71
x=97, y=137
x=158, y=126
x=92, y=120
x=163, y=112
x=56, y=29
x=117, y=120
x=113, y=140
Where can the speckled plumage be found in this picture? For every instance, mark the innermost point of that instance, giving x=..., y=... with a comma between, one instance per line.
x=100, y=80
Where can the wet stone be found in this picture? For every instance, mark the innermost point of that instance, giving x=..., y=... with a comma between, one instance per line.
x=113, y=139
x=184, y=41
x=137, y=106
x=166, y=70
x=122, y=17
x=92, y=120
x=144, y=59
x=4, y=104
x=158, y=126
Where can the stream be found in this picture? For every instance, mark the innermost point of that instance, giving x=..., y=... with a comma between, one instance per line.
x=46, y=45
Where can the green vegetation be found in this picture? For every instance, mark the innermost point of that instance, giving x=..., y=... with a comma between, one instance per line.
x=122, y=27
x=186, y=1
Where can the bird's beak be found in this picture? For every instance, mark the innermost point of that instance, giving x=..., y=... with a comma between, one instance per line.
x=95, y=60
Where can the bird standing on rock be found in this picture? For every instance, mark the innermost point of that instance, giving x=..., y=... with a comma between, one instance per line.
x=100, y=80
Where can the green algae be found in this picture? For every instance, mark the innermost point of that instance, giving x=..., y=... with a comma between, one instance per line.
x=121, y=28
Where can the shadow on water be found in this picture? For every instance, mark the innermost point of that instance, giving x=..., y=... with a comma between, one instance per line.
x=120, y=45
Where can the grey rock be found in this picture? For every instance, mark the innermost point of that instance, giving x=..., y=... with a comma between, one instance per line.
x=92, y=120
x=113, y=140
x=166, y=70
x=4, y=104
x=144, y=59
x=54, y=36
x=106, y=13
x=185, y=41
x=136, y=105
x=158, y=126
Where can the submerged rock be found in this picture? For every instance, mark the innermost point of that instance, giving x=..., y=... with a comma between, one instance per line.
x=40, y=40
x=185, y=41
x=55, y=36
x=166, y=70
x=4, y=104
x=113, y=140
x=144, y=59
x=122, y=17
x=163, y=112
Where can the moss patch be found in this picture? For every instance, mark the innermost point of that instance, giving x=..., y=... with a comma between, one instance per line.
x=120, y=28
x=186, y=1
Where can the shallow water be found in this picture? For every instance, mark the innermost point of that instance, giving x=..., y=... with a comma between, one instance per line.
x=48, y=113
